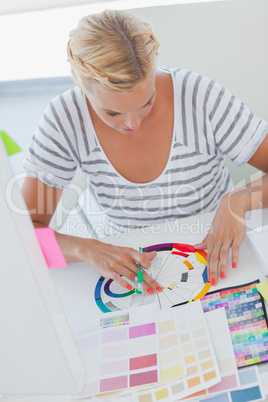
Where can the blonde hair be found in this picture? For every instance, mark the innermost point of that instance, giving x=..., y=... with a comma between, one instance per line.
x=114, y=49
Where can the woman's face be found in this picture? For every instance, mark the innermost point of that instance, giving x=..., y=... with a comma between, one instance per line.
x=124, y=112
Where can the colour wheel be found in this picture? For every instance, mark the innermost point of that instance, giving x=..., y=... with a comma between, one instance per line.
x=180, y=269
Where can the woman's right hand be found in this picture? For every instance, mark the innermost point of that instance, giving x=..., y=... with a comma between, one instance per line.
x=112, y=262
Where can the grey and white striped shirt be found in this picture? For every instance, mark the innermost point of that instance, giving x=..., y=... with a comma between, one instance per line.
x=209, y=123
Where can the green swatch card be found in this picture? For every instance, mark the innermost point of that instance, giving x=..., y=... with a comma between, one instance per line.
x=11, y=146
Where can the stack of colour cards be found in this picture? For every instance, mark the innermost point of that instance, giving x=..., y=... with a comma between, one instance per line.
x=120, y=350
x=247, y=321
x=235, y=386
x=172, y=354
x=201, y=364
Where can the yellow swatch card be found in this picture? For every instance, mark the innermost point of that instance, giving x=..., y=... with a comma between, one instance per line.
x=263, y=289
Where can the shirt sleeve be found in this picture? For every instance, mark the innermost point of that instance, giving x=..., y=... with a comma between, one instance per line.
x=52, y=156
x=238, y=132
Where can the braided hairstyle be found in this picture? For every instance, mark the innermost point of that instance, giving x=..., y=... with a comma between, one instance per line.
x=114, y=49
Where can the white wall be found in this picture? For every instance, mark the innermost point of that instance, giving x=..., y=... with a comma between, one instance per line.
x=226, y=41
x=21, y=107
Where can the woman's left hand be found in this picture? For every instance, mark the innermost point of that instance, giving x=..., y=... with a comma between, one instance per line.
x=227, y=232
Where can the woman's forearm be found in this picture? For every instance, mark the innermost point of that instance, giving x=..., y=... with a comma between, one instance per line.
x=75, y=249
x=71, y=246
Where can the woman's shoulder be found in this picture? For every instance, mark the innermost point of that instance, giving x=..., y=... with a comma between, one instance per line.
x=183, y=76
x=71, y=98
x=176, y=71
x=190, y=86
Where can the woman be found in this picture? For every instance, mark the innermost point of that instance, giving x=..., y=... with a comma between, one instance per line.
x=152, y=142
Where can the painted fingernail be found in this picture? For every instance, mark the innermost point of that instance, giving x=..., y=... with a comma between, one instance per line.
x=129, y=287
x=150, y=291
x=222, y=275
x=213, y=281
x=158, y=288
x=234, y=265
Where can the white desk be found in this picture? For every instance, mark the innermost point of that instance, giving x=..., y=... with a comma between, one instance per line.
x=76, y=284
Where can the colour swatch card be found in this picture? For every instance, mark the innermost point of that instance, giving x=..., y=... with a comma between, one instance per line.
x=250, y=389
x=171, y=357
x=172, y=363
x=220, y=335
x=199, y=355
x=247, y=321
x=263, y=370
x=120, y=350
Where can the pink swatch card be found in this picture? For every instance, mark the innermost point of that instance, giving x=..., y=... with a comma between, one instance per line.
x=51, y=250
x=119, y=349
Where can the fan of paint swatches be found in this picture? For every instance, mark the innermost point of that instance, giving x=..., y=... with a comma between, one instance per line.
x=247, y=321
x=199, y=355
x=120, y=350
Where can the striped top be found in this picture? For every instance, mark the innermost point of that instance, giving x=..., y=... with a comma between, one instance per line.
x=209, y=123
